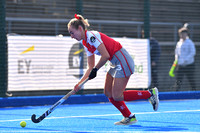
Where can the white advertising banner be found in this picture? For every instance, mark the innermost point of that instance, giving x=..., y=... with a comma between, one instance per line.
x=53, y=63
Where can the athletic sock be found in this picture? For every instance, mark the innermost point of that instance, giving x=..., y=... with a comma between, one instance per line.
x=121, y=106
x=131, y=95
x=131, y=115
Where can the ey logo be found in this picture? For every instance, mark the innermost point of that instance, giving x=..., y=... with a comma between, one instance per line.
x=24, y=64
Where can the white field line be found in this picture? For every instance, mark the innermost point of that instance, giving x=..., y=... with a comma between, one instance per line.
x=102, y=115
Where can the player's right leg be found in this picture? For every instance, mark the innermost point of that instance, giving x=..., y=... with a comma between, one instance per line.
x=119, y=85
x=151, y=94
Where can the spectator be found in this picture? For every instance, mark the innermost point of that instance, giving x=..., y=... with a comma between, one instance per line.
x=155, y=55
x=184, y=53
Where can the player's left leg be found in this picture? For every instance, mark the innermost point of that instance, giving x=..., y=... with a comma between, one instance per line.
x=179, y=77
x=120, y=105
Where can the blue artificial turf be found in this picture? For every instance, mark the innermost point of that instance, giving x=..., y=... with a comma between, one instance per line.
x=172, y=116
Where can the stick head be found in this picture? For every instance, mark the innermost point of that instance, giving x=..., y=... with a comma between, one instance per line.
x=171, y=74
x=33, y=118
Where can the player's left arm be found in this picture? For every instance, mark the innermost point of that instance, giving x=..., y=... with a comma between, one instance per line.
x=95, y=40
x=104, y=56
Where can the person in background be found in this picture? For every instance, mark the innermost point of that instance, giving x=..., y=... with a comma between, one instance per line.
x=155, y=51
x=97, y=43
x=185, y=52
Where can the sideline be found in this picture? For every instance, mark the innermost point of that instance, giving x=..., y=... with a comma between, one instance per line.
x=84, y=99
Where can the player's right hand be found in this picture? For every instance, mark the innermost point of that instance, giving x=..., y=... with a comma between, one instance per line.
x=76, y=88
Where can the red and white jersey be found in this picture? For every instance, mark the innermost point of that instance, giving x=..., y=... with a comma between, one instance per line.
x=95, y=38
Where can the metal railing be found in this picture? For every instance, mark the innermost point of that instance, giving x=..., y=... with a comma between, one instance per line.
x=139, y=25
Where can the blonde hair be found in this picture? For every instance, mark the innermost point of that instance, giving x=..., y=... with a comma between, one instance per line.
x=78, y=21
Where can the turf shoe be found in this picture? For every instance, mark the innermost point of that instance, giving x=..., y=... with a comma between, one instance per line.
x=154, y=99
x=127, y=121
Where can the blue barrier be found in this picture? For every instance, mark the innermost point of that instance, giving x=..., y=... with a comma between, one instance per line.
x=84, y=99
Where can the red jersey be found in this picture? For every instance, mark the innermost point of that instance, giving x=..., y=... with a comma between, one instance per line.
x=95, y=38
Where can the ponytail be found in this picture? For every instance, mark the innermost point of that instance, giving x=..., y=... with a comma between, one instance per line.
x=184, y=28
x=78, y=21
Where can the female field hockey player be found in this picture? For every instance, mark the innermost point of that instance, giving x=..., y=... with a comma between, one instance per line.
x=119, y=73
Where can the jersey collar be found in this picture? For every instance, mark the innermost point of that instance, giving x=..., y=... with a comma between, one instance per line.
x=86, y=35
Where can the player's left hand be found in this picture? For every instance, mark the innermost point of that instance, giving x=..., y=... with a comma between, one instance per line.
x=93, y=73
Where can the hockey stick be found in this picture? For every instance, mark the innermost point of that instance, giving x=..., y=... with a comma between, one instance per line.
x=171, y=71
x=50, y=110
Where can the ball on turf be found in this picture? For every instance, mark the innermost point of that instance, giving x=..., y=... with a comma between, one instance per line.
x=22, y=123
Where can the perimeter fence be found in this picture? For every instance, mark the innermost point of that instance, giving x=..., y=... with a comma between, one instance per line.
x=115, y=18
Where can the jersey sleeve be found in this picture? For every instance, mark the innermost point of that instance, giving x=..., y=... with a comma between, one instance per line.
x=88, y=52
x=94, y=38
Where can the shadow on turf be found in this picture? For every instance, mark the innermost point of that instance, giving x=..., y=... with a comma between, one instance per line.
x=182, y=123
x=158, y=128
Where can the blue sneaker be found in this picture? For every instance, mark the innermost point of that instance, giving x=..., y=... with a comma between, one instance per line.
x=154, y=99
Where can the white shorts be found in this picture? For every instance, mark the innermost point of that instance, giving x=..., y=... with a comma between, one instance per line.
x=122, y=64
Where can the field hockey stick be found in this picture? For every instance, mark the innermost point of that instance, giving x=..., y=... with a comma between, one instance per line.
x=50, y=110
x=171, y=72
